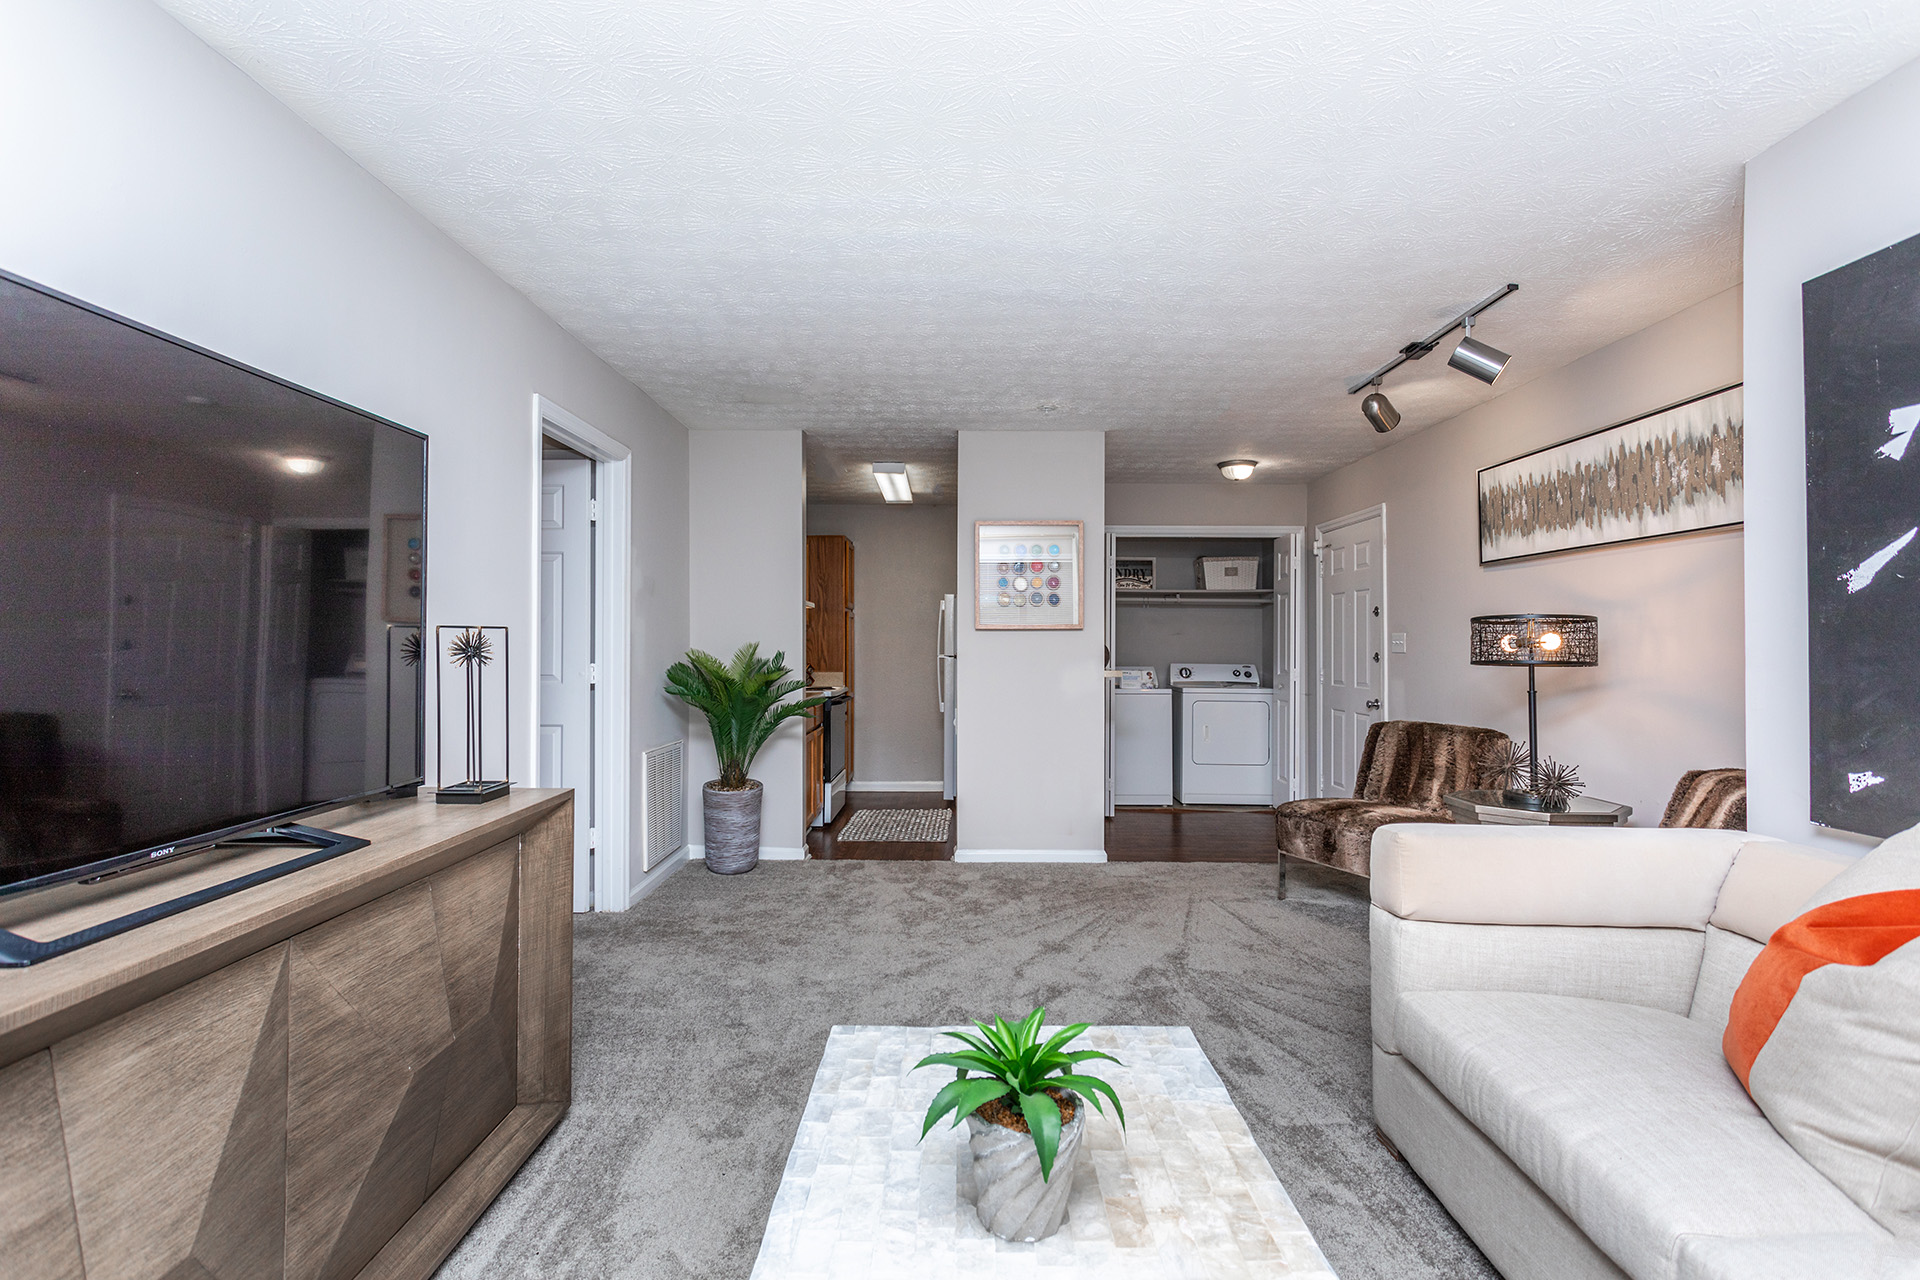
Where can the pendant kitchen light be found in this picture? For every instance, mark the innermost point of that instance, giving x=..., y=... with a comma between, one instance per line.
x=1237, y=468
x=892, y=479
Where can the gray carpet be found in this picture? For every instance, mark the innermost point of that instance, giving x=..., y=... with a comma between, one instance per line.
x=699, y=1017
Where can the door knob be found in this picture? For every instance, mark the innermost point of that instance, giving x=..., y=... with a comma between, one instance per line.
x=1373, y=704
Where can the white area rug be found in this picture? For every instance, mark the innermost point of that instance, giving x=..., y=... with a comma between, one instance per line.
x=874, y=825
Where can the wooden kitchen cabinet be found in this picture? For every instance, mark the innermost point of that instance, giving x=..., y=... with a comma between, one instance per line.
x=830, y=620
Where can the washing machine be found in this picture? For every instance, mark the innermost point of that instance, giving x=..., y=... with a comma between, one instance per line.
x=1223, y=734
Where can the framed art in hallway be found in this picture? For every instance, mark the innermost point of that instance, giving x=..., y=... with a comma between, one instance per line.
x=1676, y=470
x=1028, y=575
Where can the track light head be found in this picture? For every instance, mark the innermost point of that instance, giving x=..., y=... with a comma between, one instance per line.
x=1477, y=359
x=1380, y=412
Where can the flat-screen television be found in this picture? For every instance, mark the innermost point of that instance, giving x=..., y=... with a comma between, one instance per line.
x=212, y=584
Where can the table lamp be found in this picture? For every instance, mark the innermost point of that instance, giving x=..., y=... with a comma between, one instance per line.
x=1534, y=640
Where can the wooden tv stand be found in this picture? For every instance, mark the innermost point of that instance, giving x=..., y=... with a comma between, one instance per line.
x=328, y=1075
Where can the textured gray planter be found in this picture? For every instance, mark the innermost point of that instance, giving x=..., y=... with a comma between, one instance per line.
x=732, y=828
x=1008, y=1193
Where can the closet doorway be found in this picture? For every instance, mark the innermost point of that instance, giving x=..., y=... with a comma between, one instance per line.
x=1204, y=628
x=582, y=649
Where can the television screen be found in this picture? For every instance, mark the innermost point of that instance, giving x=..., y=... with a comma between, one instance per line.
x=211, y=591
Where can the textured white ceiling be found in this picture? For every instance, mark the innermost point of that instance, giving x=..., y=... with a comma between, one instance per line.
x=1183, y=223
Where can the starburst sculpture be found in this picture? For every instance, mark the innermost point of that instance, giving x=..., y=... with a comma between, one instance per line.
x=1503, y=766
x=472, y=651
x=1557, y=784
x=412, y=650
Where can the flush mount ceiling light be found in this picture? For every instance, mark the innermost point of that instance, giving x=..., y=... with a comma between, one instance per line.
x=1477, y=359
x=892, y=479
x=301, y=465
x=1237, y=468
x=1471, y=357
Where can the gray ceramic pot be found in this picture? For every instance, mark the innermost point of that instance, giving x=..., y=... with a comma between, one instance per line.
x=1008, y=1193
x=732, y=828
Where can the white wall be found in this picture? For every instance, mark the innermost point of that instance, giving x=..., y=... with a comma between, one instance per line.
x=147, y=175
x=748, y=565
x=1668, y=693
x=902, y=565
x=1031, y=778
x=1221, y=502
x=1842, y=187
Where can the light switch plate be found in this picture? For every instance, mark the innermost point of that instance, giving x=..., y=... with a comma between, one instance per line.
x=1398, y=642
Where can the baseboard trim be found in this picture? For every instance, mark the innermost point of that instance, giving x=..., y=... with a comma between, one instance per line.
x=768, y=853
x=896, y=786
x=654, y=878
x=1029, y=855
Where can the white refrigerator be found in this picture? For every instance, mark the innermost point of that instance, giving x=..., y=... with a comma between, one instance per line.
x=944, y=684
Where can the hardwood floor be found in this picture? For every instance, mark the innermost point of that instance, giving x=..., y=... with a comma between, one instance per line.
x=1133, y=835
x=1191, y=835
x=825, y=842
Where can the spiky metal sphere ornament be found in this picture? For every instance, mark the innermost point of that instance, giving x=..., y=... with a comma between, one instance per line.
x=471, y=648
x=1503, y=765
x=1557, y=784
x=412, y=650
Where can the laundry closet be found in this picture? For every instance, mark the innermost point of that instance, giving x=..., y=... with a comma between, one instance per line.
x=1204, y=637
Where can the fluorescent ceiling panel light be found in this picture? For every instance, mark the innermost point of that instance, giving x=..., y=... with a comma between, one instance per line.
x=892, y=479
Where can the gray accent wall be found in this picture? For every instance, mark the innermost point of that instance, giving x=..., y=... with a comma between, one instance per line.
x=902, y=564
x=1668, y=694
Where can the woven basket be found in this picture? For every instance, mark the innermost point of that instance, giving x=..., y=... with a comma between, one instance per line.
x=1227, y=573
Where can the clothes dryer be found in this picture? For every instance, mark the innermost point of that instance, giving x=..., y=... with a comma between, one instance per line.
x=1223, y=731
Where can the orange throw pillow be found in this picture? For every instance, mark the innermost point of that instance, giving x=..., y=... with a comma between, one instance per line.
x=1855, y=931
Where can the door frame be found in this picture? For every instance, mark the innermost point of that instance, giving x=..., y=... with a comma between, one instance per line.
x=610, y=848
x=1320, y=649
x=1293, y=627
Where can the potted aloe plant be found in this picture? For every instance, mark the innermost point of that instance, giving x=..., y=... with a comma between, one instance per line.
x=742, y=702
x=1024, y=1120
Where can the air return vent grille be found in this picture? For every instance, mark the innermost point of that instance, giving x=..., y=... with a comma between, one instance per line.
x=663, y=800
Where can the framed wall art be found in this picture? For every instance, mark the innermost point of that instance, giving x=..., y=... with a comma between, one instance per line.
x=1861, y=340
x=1675, y=470
x=1029, y=575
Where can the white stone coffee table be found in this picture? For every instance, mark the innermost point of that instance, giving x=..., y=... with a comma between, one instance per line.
x=1183, y=1193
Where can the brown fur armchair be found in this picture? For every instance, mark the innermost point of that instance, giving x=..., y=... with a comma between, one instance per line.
x=1709, y=798
x=1405, y=768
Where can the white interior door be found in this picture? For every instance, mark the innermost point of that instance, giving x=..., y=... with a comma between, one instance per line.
x=1107, y=681
x=176, y=710
x=1353, y=659
x=566, y=651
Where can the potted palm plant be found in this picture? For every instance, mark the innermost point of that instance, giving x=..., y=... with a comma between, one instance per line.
x=742, y=702
x=1024, y=1120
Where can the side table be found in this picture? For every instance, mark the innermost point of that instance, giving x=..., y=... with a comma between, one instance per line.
x=1582, y=811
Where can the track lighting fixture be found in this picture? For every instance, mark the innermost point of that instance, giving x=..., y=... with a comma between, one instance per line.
x=1237, y=468
x=1380, y=411
x=1477, y=359
x=1470, y=357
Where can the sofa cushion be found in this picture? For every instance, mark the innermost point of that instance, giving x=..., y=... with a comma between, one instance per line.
x=1339, y=833
x=1825, y=1033
x=1855, y=1256
x=1770, y=884
x=1627, y=1117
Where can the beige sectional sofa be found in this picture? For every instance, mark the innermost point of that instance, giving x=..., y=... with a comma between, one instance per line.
x=1547, y=1014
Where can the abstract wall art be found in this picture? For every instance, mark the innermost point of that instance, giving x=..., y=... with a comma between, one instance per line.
x=1675, y=470
x=1861, y=327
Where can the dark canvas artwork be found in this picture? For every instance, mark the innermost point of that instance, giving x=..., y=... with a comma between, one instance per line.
x=1862, y=335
